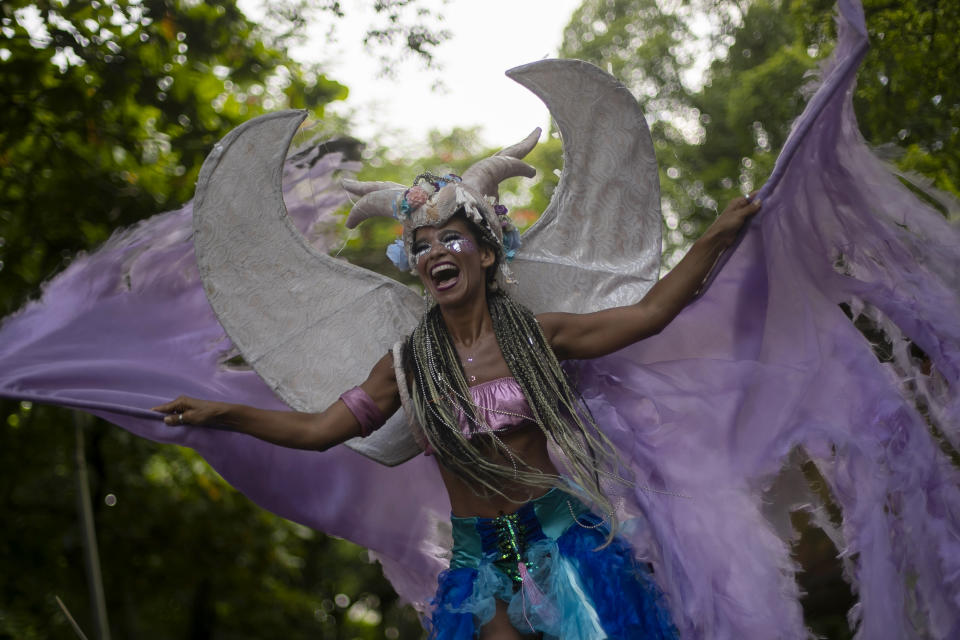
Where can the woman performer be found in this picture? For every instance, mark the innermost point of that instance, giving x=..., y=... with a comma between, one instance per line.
x=480, y=380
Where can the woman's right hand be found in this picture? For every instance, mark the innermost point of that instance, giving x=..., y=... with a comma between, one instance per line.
x=284, y=427
x=191, y=411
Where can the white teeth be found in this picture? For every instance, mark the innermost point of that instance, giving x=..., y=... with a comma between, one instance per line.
x=440, y=268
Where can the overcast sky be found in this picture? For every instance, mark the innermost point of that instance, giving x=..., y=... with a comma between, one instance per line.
x=488, y=37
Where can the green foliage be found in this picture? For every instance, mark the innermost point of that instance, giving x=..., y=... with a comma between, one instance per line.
x=715, y=141
x=397, y=29
x=908, y=95
x=109, y=109
x=547, y=158
x=183, y=554
x=719, y=139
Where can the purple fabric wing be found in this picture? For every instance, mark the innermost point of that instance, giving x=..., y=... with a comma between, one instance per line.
x=767, y=362
x=129, y=327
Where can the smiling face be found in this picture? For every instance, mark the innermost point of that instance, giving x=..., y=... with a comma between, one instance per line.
x=450, y=261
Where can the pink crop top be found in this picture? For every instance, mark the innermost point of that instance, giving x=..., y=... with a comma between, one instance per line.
x=500, y=405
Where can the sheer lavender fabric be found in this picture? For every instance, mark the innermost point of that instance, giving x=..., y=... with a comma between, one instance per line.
x=767, y=363
x=129, y=327
x=764, y=365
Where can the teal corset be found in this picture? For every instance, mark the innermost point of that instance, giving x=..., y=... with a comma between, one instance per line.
x=506, y=538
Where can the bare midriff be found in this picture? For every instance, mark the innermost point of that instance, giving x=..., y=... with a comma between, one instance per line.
x=529, y=445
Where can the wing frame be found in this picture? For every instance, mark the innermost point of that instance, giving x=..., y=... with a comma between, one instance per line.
x=598, y=243
x=309, y=324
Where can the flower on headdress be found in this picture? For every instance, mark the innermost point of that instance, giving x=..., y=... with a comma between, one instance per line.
x=398, y=255
x=413, y=198
x=511, y=242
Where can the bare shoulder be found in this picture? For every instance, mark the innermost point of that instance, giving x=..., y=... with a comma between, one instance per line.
x=384, y=365
x=383, y=372
x=381, y=385
x=547, y=322
x=552, y=324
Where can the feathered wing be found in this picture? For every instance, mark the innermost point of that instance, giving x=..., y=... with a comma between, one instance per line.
x=598, y=243
x=310, y=325
x=766, y=369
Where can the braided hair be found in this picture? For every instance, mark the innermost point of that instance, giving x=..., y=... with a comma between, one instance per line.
x=440, y=394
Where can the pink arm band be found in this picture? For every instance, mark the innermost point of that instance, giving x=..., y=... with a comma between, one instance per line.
x=364, y=410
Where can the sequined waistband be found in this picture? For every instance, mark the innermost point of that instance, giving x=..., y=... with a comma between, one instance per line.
x=505, y=539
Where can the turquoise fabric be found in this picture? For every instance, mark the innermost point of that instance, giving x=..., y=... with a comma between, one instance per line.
x=554, y=511
x=575, y=587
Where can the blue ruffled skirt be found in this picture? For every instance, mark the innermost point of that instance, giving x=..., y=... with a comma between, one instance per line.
x=544, y=561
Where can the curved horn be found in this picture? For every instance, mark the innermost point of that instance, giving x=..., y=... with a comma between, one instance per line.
x=361, y=188
x=374, y=204
x=522, y=148
x=486, y=175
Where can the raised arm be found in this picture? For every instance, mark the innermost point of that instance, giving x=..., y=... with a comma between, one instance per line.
x=292, y=429
x=592, y=335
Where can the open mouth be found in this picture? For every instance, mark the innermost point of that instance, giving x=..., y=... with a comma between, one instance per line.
x=445, y=275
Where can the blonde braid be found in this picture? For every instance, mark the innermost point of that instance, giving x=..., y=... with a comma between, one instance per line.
x=440, y=391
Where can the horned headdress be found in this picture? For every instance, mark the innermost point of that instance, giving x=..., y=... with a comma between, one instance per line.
x=432, y=200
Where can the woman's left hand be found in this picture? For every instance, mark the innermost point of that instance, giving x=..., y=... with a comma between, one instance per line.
x=732, y=219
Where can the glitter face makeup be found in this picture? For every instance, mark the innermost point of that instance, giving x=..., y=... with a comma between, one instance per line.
x=452, y=240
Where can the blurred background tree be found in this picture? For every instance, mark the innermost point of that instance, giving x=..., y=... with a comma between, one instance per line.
x=108, y=109
x=718, y=133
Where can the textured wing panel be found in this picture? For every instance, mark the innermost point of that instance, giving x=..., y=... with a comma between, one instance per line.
x=310, y=325
x=598, y=243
